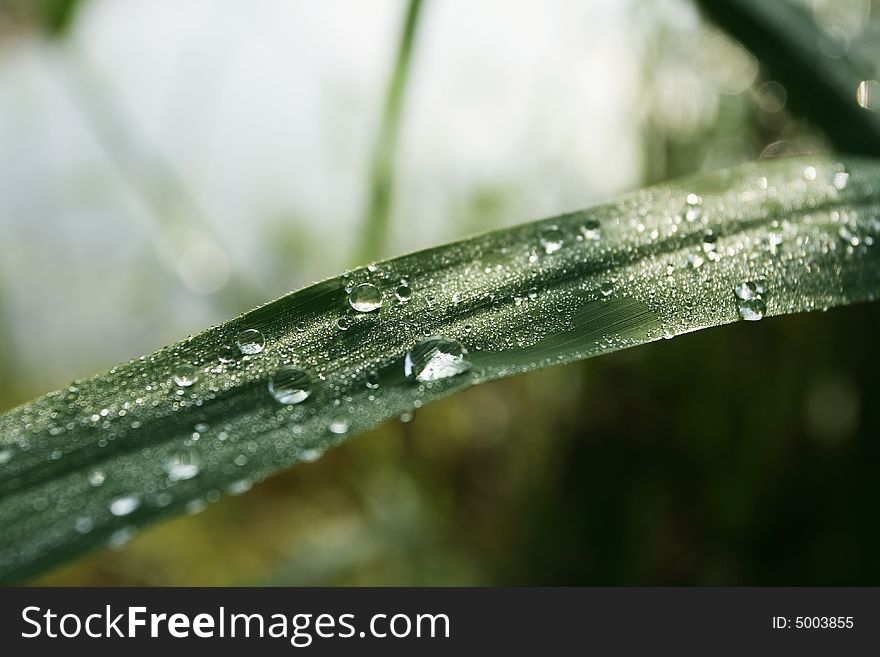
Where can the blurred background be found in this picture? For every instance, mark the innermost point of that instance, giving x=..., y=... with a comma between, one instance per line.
x=167, y=165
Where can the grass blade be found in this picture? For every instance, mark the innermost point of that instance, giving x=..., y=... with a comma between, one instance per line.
x=176, y=429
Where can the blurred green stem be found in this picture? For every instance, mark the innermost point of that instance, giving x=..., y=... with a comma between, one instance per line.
x=375, y=226
x=820, y=87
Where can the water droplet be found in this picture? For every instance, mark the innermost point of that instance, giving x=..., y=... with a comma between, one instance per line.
x=339, y=424
x=120, y=537
x=84, y=525
x=435, y=358
x=5, y=456
x=239, y=487
x=533, y=293
x=185, y=375
x=693, y=211
x=848, y=236
x=195, y=506
x=312, y=455
x=551, y=239
x=182, y=465
x=372, y=380
x=407, y=417
x=290, y=385
x=343, y=323
x=590, y=230
x=403, y=293
x=201, y=427
x=751, y=310
x=250, y=341
x=867, y=94
x=606, y=289
x=97, y=477
x=710, y=244
x=124, y=505
x=745, y=290
x=365, y=298
x=810, y=173
x=227, y=354
x=840, y=179
x=695, y=260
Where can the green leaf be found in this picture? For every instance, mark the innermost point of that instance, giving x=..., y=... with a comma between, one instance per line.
x=178, y=428
x=820, y=87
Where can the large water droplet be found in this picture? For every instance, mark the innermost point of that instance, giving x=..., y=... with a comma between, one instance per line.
x=290, y=385
x=751, y=310
x=551, y=239
x=365, y=298
x=182, y=465
x=124, y=505
x=185, y=375
x=403, y=293
x=606, y=289
x=745, y=290
x=435, y=358
x=250, y=341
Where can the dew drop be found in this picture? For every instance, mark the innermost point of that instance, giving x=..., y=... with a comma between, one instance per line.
x=250, y=341
x=365, y=298
x=710, y=244
x=343, y=323
x=606, y=289
x=182, y=465
x=84, y=525
x=239, y=487
x=551, y=239
x=745, y=290
x=590, y=230
x=403, y=293
x=290, y=385
x=185, y=376
x=339, y=424
x=840, y=179
x=810, y=173
x=227, y=354
x=867, y=94
x=751, y=310
x=5, y=456
x=373, y=380
x=120, y=537
x=435, y=358
x=97, y=477
x=124, y=505
x=695, y=260
x=312, y=455
x=693, y=211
